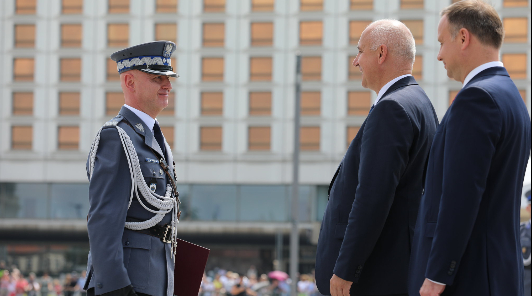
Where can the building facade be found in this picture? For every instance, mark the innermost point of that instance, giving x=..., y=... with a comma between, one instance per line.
x=229, y=121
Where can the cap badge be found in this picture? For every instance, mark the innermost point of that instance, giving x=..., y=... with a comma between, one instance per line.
x=139, y=127
x=168, y=50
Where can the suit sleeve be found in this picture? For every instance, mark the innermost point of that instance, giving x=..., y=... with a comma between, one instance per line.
x=472, y=132
x=109, y=192
x=386, y=141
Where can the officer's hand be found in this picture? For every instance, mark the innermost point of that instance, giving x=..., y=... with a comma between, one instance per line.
x=431, y=289
x=339, y=287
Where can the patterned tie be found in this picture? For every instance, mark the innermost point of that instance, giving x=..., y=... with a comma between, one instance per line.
x=159, y=137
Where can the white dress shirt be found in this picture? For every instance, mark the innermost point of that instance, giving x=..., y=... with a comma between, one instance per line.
x=385, y=88
x=468, y=78
x=148, y=120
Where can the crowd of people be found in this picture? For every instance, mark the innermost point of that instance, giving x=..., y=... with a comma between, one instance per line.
x=228, y=283
x=14, y=283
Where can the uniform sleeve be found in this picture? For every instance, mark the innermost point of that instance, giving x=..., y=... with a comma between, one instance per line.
x=109, y=192
x=386, y=141
x=472, y=132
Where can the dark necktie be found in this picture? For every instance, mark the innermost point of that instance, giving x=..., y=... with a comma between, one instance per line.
x=159, y=137
x=371, y=109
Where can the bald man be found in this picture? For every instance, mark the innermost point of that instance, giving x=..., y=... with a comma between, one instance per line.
x=364, y=243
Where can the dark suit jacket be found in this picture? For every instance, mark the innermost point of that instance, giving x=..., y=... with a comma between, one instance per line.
x=374, y=197
x=120, y=257
x=467, y=232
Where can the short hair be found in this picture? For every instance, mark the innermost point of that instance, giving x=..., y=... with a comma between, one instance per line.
x=479, y=18
x=395, y=35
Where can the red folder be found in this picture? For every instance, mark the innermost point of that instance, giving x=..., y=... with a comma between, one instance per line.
x=190, y=261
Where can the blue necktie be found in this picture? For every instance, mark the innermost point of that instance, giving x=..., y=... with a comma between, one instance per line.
x=158, y=134
x=371, y=109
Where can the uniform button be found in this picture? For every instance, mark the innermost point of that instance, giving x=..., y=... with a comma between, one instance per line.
x=99, y=285
x=127, y=243
x=450, y=273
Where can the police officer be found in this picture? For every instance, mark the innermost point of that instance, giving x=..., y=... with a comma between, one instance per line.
x=132, y=194
x=525, y=245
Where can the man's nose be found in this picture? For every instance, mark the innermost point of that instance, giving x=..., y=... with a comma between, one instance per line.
x=355, y=61
x=167, y=84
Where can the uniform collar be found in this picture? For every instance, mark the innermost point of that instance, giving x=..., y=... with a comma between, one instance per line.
x=479, y=69
x=385, y=88
x=148, y=120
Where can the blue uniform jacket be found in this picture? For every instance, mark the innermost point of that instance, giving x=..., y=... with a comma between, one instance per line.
x=467, y=232
x=374, y=196
x=119, y=257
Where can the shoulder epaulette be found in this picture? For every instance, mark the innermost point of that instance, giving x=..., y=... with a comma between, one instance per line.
x=114, y=121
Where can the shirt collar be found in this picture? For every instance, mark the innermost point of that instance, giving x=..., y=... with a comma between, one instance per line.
x=385, y=88
x=148, y=120
x=479, y=69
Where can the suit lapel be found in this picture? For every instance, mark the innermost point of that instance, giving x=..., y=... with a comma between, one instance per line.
x=142, y=129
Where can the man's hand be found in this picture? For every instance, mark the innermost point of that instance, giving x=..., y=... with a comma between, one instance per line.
x=431, y=289
x=340, y=287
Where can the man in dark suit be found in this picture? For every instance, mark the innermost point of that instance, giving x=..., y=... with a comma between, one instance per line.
x=467, y=234
x=364, y=243
x=132, y=195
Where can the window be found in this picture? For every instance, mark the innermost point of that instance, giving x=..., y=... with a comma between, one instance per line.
x=170, y=109
x=117, y=35
x=72, y=7
x=24, y=35
x=310, y=103
x=515, y=3
x=21, y=137
x=214, y=5
x=352, y=132
x=259, y=138
x=354, y=72
x=70, y=70
x=515, y=64
x=355, y=30
x=416, y=27
x=168, y=132
x=311, y=68
x=412, y=4
x=166, y=6
x=69, y=103
x=166, y=32
x=310, y=5
x=260, y=103
x=112, y=71
x=516, y=30
x=212, y=103
x=213, y=34
x=68, y=138
x=260, y=69
x=452, y=96
x=310, y=33
x=211, y=138
x=118, y=6
x=261, y=34
x=310, y=138
x=23, y=69
x=113, y=102
x=212, y=69
x=26, y=6
x=417, y=70
x=22, y=103
x=522, y=92
x=358, y=103
x=71, y=35
x=361, y=4
x=262, y=5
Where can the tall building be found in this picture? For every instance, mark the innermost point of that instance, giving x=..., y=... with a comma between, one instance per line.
x=229, y=121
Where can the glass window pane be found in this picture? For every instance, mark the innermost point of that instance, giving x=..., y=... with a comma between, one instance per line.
x=416, y=27
x=71, y=35
x=361, y=5
x=112, y=71
x=307, y=193
x=170, y=109
x=516, y=30
x=166, y=32
x=26, y=6
x=310, y=138
x=516, y=64
x=24, y=35
x=69, y=201
x=213, y=202
x=68, y=138
x=259, y=138
x=69, y=103
x=23, y=69
x=21, y=137
x=417, y=70
x=311, y=68
x=352, y=132
x=260, y=69
x=452, y=96
x=355, y=30
x=211, y=138
x=412, y=4
x=168, y=132
x=214, y=5
x=23, y=200
x=268, y=203
x=358, y=103
x=353, y=72
x=166, y=6
x=310, y=33
x=212, y=103
x=213, y=69
x=22, y=103
x=311, y=103
x=262, y=5
x=113, y=102
x=311, y=5
x=261, y=34
x=118, y=6
x=117, y=35
x=213, y=34
x=72, y=7
x=260, y=103
x=70, y=70
x=515, y=3
x=322, y=197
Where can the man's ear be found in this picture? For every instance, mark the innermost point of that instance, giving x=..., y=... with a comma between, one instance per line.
x=465, y=38
x=382, y=52
x=129, y=81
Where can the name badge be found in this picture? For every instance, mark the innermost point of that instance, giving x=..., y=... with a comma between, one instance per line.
x=152, y=160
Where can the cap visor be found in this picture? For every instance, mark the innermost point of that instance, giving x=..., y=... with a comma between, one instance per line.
x=156, y=72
